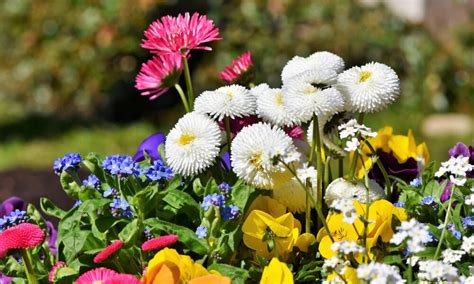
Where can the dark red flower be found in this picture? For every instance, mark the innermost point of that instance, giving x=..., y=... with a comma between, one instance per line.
x=108, y=251
x=159, y=242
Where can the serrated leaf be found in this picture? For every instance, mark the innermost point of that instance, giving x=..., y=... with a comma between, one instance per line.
x=51, y=209
x=130, y=232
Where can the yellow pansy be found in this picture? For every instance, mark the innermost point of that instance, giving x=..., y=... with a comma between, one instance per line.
x=402, y=147
x=350, y=276
x=262, y=231
x=381, y=213
x=276, y=273
x=304, y=241
x=268, y=205
x=168, y=266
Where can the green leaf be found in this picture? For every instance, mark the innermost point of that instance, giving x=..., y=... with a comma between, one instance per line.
x=434, y=189
x=186, y=236
x=198, y=188
x=51, y=209
x=35, y=215
x=182, y=202
x=238, y=275
x=73, y=243
x=65, y=275
x=130, y=232
x=69, y=184
x=240, y=194
x=392, y=259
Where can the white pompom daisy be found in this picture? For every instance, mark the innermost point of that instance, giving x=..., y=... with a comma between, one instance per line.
x=369, y=88
x=307, y=100
x=273, y=105
x=193, y=144
x=254, y=150
x=233, y=101
x=343, y=189
x=260, y=88
x=319, y=68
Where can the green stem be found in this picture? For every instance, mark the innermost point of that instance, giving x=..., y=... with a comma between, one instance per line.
x=30, y=272
x=227, y=131
x=410, y=270
x=356, y=154
x=340, y=163
x=311, y=158
x=182, y=96
x=319, y=167
x=446, y=219
x=388, y=184
x=119, y=266
x=307, y=190
x=189, y=85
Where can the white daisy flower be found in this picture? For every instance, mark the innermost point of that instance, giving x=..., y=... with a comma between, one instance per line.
x=193, y=144
x=233, y=101
x=253, y=153
x=307, y=100
x=342, y=189
x=319, y=68
x=273, y=105
x=260, y=88
x=369, y=88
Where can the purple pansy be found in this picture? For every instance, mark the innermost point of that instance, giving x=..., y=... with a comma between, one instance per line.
x=406, y=171
x=461, y=149
x=150, y=146
x=52, y=237
x=11, y=204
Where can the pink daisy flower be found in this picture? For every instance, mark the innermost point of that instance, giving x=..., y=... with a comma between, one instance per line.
x=98, y=275
x=158, y=75
x=180, y=34
x=159, y=242
x=108, y=251
x=54, y=269
x=237, y=69
x=296, y=132
x=122, y=278
x=24, y=235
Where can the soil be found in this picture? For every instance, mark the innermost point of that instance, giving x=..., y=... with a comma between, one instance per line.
x=33, y=184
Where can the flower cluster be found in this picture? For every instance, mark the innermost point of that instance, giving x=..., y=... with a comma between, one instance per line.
x=351, y=131
x=14, y=218
x=415, y=234
x=228, y=212
x=70, y=161
x=120, y=207
x=158, y=171
x=92, y=181
x=457, y=169
x=119, y=165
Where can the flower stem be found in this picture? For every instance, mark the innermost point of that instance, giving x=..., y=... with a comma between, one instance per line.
x=446, y=219
x=388, y=184
x=189, y=85
x=319, y=167
x=311, y=158
x=227, y=131
x=340, y=164
x=183, y=97
x=30, y=272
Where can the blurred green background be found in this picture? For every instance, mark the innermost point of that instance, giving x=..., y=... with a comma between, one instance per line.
x=67, y=68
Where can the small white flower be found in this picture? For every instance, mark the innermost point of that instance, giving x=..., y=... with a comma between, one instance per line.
x=347, y=247
x=352, y=145
x=376, y=273
x=352, y=128
x=412, y=260
x=253, y=153
x=469, y=200
x=369, y=88
x=346, y=206
x=193, y=144
x=456, y=167
x=273, y=105
x=452, y=256
x=438, y=271
x=332, y=262
x=417, y=235
x=232, y=101
x=468, y=245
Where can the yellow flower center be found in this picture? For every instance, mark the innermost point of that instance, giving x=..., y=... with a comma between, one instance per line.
x=279, y=99
x=97, y=282
x=339, y=234
x=364, y=76
x=309, y=90
x=230, y=94
x=256, y=160
x=186, y=138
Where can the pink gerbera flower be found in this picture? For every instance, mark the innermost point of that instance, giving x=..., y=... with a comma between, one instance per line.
x=54, y=269
x=98, y=275
x=122, y=278
x=159, y=242
x=159, y=74
x=237, y=69
x=108, y=251
x=24, y=235
x=180, y=34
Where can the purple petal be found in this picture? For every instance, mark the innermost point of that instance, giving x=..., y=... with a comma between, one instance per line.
x=150, y=146
x=460, y=149
x=5, y=279
x=225, y=162
x=446, y=191
x=52, y=237
x=10, y=204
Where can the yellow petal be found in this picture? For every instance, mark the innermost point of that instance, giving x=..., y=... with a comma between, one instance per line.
x=422, y=152
x=268, y=205
x=325, y=248
x=210, y=279
x=304, y=241
x=276, y=273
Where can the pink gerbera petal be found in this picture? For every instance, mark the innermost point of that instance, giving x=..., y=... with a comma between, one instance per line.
x=159, y=242
x=108, y=251
x=122, y=278
x=159, y=74
x=237, y=69
x=24, y=235
x=54, y=269
x=98, y=275
x=180, y=34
